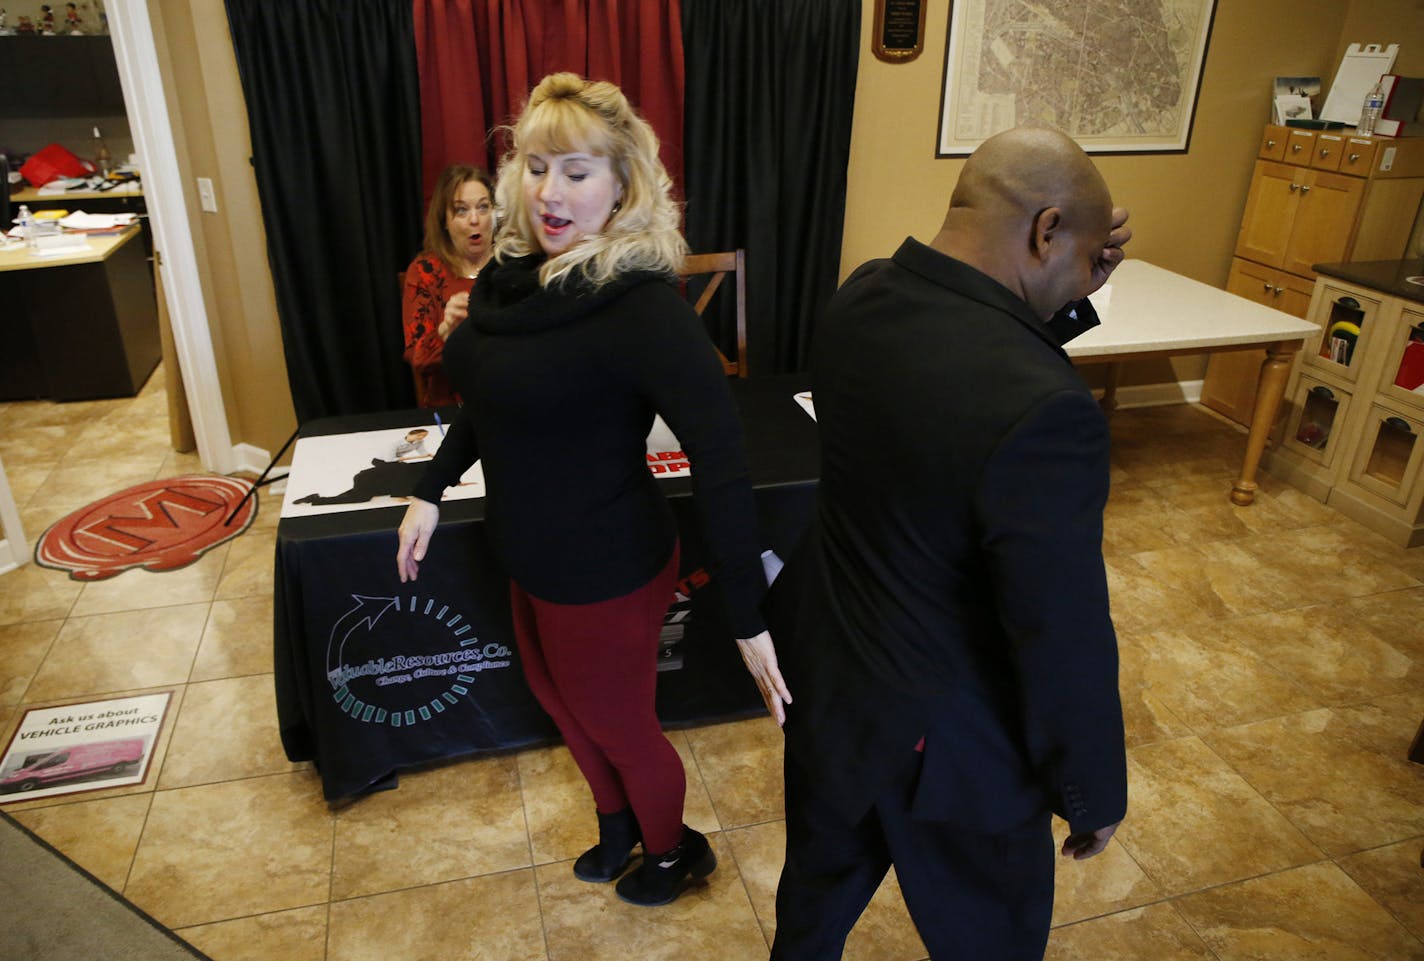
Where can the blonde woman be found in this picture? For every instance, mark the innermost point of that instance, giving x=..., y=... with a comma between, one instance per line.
x=577, y=339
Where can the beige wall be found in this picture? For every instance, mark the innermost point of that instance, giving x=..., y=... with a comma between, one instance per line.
x=1386, y=21
x=76, y=134
x=210, y=126
x=1185, y=207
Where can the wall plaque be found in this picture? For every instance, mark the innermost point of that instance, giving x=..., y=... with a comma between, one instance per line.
x=899, y=30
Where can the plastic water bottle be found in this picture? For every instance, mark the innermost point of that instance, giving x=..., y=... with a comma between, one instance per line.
x=27, y=226
x=103, y=160
x=1370, y=114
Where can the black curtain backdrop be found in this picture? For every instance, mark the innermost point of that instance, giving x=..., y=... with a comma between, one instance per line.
x=769, y=97
x=333, y=106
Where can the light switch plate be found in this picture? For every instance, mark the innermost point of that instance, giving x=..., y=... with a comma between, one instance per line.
x=206, y=197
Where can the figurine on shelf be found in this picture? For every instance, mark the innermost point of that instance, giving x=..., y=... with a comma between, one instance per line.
x=26, y=24
x=72, y=20
x=46, y=20
x=4, y=30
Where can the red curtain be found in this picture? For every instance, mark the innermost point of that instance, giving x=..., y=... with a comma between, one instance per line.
x=480, y=58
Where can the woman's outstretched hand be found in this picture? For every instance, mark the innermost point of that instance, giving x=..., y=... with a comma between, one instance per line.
x=415, y=530
x=760, y=657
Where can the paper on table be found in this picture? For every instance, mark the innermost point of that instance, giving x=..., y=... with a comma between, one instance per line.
x=79, y=220
x=62, y=185
x=61, y=245
x=807, y=404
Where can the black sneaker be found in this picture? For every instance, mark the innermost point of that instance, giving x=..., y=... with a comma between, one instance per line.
x=662, y=877
x=618, y=834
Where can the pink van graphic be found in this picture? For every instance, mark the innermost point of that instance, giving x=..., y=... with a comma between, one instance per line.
x=114, y=758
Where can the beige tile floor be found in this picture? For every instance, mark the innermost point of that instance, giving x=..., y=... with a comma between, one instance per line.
x=1272, y=659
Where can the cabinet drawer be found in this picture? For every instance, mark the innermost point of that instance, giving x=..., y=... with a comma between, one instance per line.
x=1348, y=320
x=1273, y=144
x=1300, y=147
x=1317, y=413
x=1390, y=453
x=1329, y=148
x=1403, y=374
x=1358, y=156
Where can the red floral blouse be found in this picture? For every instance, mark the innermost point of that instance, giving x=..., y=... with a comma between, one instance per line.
x=428, y=284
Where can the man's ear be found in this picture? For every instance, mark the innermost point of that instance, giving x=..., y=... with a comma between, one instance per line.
x=1046, y=229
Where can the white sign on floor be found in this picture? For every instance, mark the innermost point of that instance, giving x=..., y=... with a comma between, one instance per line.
x=82, y=747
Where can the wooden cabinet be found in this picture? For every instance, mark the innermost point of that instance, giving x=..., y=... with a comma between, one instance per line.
x=1233, y=388
x=1354, y=418
x=59, y=77
x=1315, y=197
x=1271, y=287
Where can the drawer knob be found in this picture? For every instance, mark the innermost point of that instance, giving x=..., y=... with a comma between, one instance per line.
x=1278, y=290
x=1270, y=144
x=1324, y=151
x=1295, y=148
x=1266, y=286
x=1295, y=187
x=1305, y=188
x=1354, y=157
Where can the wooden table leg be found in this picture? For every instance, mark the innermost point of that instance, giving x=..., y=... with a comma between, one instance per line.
x=1108, y=403
x=1269, y=391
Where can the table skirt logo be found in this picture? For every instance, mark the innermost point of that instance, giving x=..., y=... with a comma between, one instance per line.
x=406, y=659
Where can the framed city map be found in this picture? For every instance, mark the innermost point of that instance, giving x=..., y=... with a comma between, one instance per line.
x=1118, y=76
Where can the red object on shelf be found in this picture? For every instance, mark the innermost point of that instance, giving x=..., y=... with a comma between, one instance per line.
x=1411, y=366
x=52, y=163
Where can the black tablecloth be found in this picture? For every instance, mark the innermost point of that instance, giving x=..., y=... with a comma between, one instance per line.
x=373, y=676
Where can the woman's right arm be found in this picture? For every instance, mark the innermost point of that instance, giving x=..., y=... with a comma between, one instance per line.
x=459, y=450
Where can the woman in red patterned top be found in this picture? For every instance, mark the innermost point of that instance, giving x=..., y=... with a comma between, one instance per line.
x=458, y=228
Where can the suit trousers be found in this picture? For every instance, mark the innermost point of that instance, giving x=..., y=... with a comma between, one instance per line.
x=971, y=895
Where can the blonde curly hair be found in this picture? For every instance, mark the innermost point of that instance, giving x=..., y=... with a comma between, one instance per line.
x=567, y=114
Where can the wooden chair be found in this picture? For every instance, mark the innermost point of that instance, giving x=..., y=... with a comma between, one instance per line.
x=719, y=265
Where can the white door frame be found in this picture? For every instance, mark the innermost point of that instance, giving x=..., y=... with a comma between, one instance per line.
x=14, y=549
x=136, y=52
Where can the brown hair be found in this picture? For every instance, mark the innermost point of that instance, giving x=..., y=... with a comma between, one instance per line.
x=437, y=237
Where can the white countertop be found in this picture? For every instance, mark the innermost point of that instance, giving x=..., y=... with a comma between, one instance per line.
x=1145, y=309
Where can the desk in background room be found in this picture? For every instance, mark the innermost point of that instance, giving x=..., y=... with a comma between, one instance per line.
x=126, y=198
x=373, y=676
x=79, y=325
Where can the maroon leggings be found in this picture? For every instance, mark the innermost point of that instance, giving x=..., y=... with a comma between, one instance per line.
x=593, y=667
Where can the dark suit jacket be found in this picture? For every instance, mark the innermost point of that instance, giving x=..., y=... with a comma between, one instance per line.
x=952, y=584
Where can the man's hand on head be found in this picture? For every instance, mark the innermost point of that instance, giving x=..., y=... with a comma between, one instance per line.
x=1112, y=254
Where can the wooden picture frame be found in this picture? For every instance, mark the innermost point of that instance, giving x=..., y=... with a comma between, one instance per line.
x=1117, y=78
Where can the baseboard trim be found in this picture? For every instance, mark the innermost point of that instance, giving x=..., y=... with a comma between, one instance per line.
x=1157, y=395
x=9, y=559
x=250, y=458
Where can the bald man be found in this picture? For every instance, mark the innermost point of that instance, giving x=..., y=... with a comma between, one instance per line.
x=945, y=624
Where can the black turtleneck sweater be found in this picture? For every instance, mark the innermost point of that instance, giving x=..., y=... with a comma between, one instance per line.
x=560, y=388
